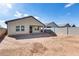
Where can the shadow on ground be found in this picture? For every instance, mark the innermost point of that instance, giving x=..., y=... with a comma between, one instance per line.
x=30, y=36
x=1, y=38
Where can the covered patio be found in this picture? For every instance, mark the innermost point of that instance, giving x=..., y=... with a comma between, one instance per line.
x=32, y=35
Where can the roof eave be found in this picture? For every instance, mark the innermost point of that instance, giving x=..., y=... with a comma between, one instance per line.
x=23, y=18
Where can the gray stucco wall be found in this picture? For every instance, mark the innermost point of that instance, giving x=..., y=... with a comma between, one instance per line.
x=71, y=31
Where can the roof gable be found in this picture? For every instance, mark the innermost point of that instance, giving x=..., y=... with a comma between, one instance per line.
x=52, y=24
x=24, y=18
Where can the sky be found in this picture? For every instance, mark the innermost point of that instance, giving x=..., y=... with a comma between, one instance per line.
x=60, y=13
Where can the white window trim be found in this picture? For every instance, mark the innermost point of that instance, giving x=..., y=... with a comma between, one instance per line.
x=20, y=28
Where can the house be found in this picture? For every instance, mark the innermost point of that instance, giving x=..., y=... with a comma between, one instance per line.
x=73, y=25
x=51, y=25
x=54, y=25
x=25, y=25
x=64, y=25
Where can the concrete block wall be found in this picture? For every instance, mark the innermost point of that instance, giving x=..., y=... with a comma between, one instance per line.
x=71, y=31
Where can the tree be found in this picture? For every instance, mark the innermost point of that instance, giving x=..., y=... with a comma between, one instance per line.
x=73, y=25
x=67, y=25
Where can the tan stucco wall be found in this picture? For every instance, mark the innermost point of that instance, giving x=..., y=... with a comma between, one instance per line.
x=26, y=22
x=36, y=31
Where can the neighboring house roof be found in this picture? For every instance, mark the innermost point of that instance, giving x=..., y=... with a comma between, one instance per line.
x=52, y=24
x=23, y=18
x=73, y=25
x=65, y=25
x=68, y=25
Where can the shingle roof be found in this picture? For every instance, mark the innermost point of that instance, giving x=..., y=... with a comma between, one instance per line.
x=23, y=18
x=65, y=25
x=52, y=24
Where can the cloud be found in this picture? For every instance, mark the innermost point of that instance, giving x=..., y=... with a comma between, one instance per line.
x=25, y=15
x=36, y=17
x=9, y=5
x=5, y=8
x=18, y=14
x=2, y=23
x=6, y=5
x=69, y=5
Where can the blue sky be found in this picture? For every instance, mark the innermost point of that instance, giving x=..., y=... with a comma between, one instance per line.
x=60, y=13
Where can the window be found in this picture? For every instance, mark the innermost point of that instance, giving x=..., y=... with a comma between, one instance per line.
x=36, y=28
x=22, y=28
x=17, y=28
x=48, y=26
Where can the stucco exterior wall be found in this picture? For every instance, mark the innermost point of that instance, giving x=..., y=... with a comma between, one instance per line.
x=36, y=31
x=12, y=29
x=25, y=22
x=71, y=31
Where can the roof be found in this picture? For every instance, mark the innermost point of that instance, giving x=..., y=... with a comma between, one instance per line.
x=65, y=25
x=52, y=24
x=23, y=18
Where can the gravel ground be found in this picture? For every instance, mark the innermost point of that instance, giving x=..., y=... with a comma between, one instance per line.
x=44, y=46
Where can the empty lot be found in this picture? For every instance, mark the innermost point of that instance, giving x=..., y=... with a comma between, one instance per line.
x=44, y=46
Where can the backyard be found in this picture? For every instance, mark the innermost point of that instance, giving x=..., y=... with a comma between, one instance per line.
x=44, y=46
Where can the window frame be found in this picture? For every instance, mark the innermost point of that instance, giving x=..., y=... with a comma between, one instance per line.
x=17, y=28
x=22, y=28
x=37, y=28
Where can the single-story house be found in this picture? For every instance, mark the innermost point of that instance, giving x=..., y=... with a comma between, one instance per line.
x=25, y=25
x=51, y=25
x=64, y=25
x=54, y=25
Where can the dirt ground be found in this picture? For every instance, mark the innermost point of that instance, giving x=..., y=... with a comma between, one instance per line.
x=43, y=46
